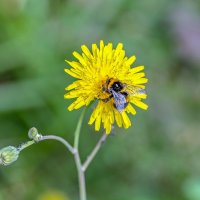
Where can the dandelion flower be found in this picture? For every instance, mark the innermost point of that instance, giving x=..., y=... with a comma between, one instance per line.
x=104, y=74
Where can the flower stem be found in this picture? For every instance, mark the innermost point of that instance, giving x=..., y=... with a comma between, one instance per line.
x=94, y=152
x=54, y=137
x=25, y=145
x=78, y=130
x=81, y=174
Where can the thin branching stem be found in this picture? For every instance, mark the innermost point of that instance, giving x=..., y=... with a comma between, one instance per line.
x=25, y=145
x=81, y=176
x=60, y=139
x=94, y=151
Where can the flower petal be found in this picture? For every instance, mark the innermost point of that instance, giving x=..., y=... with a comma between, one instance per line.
x=139, y=103
x=125, y=120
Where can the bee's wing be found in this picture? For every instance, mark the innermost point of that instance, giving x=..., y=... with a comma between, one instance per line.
x=120, y=101
x=134, y=90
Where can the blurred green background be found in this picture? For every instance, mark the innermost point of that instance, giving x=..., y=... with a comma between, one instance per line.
x=158, y=157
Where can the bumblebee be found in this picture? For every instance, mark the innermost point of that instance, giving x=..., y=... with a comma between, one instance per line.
x=119, y=92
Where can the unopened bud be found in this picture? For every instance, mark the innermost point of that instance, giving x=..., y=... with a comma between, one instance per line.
x=8, y=155
x=34, y=135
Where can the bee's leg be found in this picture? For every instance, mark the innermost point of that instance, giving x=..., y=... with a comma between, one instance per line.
x=124, y=93
x=126, y=104
x=107, y=99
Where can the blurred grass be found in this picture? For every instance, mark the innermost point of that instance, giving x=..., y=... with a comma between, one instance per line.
x=155, y=159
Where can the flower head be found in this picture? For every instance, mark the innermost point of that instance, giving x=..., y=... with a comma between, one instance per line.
x=105, y=74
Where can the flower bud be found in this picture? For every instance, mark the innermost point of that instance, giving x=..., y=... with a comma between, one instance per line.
x=8, y=155
x=34, y=135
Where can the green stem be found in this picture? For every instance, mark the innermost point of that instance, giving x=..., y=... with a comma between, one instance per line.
x=78, y=130
x=25, y=145
x=54, y=137
x=81, y=174
x=94, y=152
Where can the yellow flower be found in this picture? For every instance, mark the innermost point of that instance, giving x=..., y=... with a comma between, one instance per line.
x=105, y=74
x=53, y=195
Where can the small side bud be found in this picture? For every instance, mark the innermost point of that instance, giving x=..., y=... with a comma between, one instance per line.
x=8, y=155
x=34, y=135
